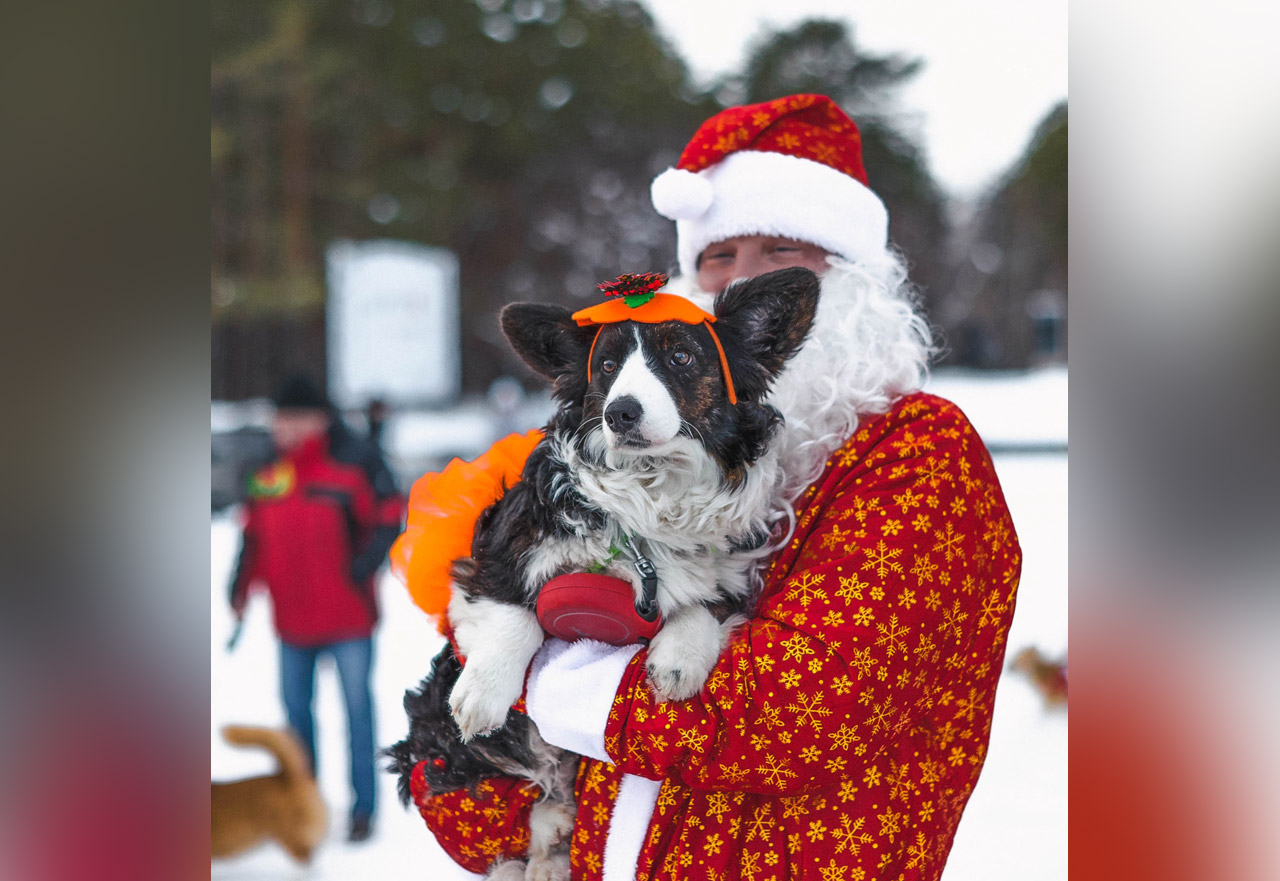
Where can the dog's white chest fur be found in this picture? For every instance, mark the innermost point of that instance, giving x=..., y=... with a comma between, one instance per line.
x=679, y=500
x=679, y=509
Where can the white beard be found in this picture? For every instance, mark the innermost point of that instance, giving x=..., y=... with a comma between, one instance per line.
x=868, y=347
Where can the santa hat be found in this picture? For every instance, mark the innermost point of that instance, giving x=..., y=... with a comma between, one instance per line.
x=791, y=167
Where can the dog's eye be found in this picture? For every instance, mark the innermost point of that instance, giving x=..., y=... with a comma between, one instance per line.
x=681, y=358
x=608, y=366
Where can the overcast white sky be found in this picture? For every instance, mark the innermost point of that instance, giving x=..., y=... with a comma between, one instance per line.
x=992, y=68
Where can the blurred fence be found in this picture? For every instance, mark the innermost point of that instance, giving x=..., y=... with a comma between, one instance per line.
x=253, y=353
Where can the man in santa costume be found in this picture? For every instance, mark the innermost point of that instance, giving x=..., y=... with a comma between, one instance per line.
x=843, y=728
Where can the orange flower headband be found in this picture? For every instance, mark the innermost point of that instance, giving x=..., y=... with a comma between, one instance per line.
x=638, y=300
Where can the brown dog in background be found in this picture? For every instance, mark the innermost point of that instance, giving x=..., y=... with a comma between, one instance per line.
x=1049, y=677
x=285, y=807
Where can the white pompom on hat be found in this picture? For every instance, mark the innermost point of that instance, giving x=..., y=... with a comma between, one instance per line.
x=680, y=194
x=790, y=167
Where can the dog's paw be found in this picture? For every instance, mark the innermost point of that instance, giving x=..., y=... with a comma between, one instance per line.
x=554, y=867
x=675, y=684
x=550, y=824
x=670, y=685
x=475, y=709
x=563, y=826
x=675, y=671
x=683, y=654
x=509, y=870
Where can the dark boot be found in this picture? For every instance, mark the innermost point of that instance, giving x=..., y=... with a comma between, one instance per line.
x=361, y=829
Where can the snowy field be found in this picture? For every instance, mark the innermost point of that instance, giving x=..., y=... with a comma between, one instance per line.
x=1015, y=827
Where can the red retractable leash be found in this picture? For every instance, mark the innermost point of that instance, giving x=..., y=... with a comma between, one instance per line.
x=584, y=605
x=587, y=605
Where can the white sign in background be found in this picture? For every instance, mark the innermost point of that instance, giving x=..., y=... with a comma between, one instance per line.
x=392, y=324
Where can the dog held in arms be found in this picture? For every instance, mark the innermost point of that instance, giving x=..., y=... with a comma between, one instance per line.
x=661, y=445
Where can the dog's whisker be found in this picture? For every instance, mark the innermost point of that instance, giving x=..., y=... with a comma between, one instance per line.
x=684, y=423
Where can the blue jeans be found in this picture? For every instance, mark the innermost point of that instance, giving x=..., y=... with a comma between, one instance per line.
x=354, y=659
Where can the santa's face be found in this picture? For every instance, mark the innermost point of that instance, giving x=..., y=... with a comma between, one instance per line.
x=749, y=256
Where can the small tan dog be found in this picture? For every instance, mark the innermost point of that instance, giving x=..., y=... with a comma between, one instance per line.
x=285, y=807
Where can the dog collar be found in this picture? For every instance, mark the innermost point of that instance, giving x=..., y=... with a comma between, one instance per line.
x=637, y=299
x=647, y=605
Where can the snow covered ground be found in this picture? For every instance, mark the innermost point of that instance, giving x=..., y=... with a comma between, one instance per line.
x=1014, y=828
x=244, y=690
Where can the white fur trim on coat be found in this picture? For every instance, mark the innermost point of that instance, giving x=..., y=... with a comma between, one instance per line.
x=571, y=690
x=774, y=194
x=632, y=815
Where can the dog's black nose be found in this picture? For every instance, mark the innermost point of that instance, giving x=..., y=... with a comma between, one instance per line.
x=623, y=414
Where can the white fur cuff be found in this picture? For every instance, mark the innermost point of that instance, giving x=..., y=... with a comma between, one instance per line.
x=571, y=690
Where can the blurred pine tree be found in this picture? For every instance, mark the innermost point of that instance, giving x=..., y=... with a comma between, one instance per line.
x=522, y=134
x=1007, y=307
x=821, y=56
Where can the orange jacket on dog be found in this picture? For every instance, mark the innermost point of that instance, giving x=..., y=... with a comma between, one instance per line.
x=843, y=728
x=443, y=508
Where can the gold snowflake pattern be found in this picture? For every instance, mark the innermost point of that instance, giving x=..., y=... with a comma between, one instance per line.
x=881, y=627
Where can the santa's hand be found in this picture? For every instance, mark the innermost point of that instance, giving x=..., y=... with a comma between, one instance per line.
x=235, y=635
x=571, y=690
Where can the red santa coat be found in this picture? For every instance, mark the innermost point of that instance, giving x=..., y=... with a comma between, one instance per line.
x=842, y=730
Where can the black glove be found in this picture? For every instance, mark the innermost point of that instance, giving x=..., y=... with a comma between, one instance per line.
x=363, y=566
x=367, y=561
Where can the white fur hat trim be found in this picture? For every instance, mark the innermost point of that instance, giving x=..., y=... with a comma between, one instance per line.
x=753, y=192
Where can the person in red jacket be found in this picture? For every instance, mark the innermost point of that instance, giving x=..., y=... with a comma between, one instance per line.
x=841, y=732
x=318, y=524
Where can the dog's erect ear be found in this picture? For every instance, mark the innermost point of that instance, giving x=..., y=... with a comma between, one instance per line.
x=548, y=339
x=763, y=321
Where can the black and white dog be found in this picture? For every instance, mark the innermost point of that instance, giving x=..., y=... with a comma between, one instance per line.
x=645, y=452
x=650, y=451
